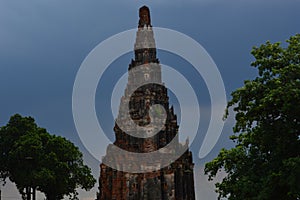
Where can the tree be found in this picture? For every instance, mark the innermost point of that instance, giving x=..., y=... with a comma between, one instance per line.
x=65, y=170
x=265, y=162
x=36, y=160
x=17, y=128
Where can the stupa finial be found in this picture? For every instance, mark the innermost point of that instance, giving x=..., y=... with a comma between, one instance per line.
x=144, y=14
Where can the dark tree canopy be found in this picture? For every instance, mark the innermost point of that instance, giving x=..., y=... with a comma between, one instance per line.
x=265, y=163
x=31, y=157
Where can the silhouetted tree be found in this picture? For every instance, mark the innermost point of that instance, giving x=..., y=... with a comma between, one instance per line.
x=265, y=163
x=37, y=160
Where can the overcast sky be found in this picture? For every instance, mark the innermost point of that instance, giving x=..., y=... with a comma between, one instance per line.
x=44, y=42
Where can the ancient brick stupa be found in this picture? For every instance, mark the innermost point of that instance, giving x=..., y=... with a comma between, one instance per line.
x=124, y=176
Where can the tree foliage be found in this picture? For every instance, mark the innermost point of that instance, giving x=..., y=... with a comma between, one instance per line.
x=33, y=158
x=265, y=162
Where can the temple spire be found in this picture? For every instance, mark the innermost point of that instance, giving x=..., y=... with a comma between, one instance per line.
x=143, y=169
x=144, y=47
x=144, y=14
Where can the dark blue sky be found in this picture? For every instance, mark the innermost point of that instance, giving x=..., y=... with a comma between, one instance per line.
x=43, y=43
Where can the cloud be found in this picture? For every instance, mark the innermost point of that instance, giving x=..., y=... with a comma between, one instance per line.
x=205, y=189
